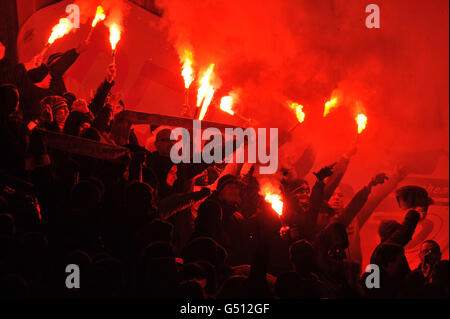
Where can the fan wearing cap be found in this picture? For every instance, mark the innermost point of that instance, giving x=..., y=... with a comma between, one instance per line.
x=415, y=201
x=54, y=113
x=389, y=255
x=57, y=64
x=79, y=119
x=227, y=199
x=303, y=206
x=17, y=74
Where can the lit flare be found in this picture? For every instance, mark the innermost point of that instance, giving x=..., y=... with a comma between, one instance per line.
x=226, y=104
x=330, y=105
x=187, y=71
x=61, y=29
x=361, y=120
x=205, y=92
x=114, y=35
x=298, y=108
x=99, y=16
x=204, y=85
x=272, y=195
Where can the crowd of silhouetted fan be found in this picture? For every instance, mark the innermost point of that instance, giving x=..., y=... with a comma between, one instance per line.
x=138, y=225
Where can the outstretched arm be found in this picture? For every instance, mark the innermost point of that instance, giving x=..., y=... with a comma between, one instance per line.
x=317, y=193
x=178, y=202
x=403, y=235
x=379, y=195
x=358, y=201
x=102, y=92
x=338, y=173
x=59, y=67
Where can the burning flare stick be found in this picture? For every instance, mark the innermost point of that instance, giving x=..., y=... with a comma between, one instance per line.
x=188, y=75
x=99, y=16
x=187, y=71
x=226, y=104
x=272, y=195
x=330, y=105
x=298, y=112
x=275, y=201
x=58, y=31
x=361, y=120
x=114, y=37
x=205, y=92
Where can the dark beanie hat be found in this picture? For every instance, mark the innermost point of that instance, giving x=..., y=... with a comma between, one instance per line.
x=55, y=102
x=225, y=180
x=413, y=196
x=54, y=57
x=70, y=98
x=9, y=97
x=74, y=122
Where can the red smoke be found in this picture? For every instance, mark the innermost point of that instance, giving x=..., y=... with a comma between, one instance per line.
x=306, y=50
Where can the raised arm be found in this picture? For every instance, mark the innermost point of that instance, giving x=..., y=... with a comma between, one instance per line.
x=338, y=173
x=102, y=92
x=317, y=193
x=380, y=194
x=358, y=201
x=60, y=66
x=403, y=235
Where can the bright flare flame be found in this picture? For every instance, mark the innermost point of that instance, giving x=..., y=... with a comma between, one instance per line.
x=205, y=92
x=276, y=202
x=329, y=105
x=272, y=196
x=206, y=102
x=204, y=85
x=361, y=120
x=226, y=104
x=61, y=29
x=298, y=111
x=114, y=35
x=187, y=72
x=99, y=16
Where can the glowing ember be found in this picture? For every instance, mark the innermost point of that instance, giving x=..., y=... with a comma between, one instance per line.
x=226, y=104
x=298, y=111
x=329, y=105
x=187, y=72
x=61, y=29
x=361, y=120
x=114, y=35
x=99, y=16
